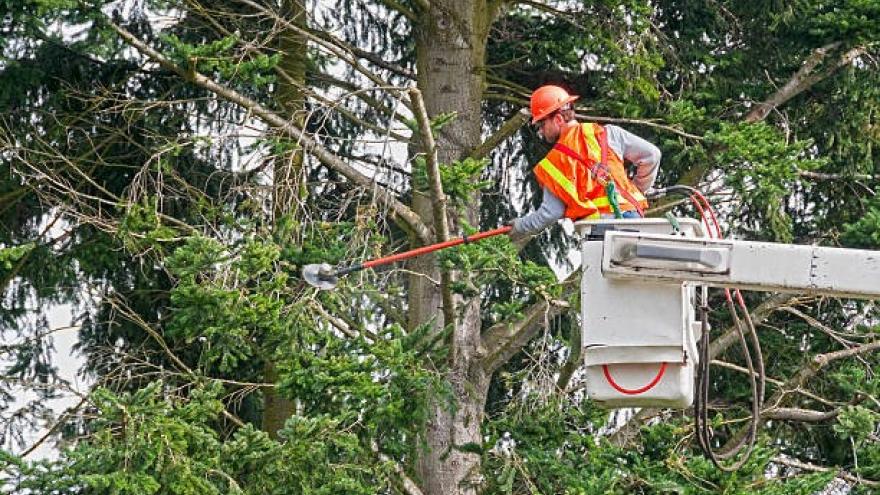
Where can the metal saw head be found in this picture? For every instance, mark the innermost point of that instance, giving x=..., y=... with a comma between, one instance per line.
x=322, y=276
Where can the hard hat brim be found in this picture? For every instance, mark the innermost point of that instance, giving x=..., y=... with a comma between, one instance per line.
x=536, y=118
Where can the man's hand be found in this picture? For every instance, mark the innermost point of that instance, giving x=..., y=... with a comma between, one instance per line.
x=653, y=193
x=517, y=236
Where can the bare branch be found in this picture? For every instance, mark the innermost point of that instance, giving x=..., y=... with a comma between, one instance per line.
x=361, y=94
x=795, y=463
x=337, y=323
x=543, y=7
x=506, y=338
x=778, y=383
x=399, y=7
x=505, y=131
x=798, y=414
x=407, y=218
x=642, y=122
x=503, y=340
x=409, y=486
x=55, y=426
x=804, y=79
x=801, y=81
x=807, y=372
x=764, y=310
x=524, y=102
x=341, y=52
x=438, y=197
x=807, y=174
x=817, y=325
x=573, y=360
x=823, y=360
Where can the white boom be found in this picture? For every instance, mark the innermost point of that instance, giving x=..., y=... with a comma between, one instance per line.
x=637, y=302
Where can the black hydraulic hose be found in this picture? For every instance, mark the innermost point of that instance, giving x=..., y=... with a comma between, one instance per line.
x=743, y=441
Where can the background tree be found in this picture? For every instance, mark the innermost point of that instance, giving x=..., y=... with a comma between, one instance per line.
x=170, y=166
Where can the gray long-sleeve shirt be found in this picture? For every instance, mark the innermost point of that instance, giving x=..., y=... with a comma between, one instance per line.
x=627, y=145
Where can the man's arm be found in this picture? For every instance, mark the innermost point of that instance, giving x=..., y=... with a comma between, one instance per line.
x=551, y=210
x=632, y=148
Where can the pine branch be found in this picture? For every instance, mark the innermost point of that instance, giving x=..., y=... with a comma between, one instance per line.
x=801, y=81
x=807, y=372
x=122, y=307
x=331, y=47
x=503, y=340
x=407, y=218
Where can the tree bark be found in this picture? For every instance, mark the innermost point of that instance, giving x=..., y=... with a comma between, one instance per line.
x=451, y=50
x=288, y=184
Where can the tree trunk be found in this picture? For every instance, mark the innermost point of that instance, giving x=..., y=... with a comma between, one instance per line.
x=288, y=184
x=451, y=52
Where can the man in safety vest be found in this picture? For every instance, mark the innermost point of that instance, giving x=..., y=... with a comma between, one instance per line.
x=583, y=176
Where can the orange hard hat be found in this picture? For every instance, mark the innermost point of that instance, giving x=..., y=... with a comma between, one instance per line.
x=547, y=99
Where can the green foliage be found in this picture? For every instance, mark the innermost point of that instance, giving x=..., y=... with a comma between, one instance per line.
x=9, y=256
x=851, y=20
x=551, y=448
x=864, y=233
x=855, y=423
x=153, y=442
x=762, y=167
x=230, y=300
x=141, y=228
x=482, y=264
x=226, y=302
x=460, y=179
x=376, y=387
x=218, y=57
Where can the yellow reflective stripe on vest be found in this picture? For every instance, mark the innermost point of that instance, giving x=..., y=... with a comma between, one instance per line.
x=567, y=185
x=602, y=201
x=592, y=142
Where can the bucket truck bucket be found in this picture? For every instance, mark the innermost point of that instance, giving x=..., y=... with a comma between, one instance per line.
x=639, y=337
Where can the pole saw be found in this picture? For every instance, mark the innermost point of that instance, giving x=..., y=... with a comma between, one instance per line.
x=325, y=277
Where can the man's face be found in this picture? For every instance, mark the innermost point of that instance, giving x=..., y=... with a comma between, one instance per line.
x=549, y=128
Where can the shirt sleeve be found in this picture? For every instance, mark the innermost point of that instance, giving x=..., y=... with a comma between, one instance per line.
x=551, y=210
x=643, y=154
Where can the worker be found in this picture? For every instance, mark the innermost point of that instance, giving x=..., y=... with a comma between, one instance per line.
x=584, y=166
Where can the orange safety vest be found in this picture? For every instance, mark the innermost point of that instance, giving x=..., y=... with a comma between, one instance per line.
x=579, y=167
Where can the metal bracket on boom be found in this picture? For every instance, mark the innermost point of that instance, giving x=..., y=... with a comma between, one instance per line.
x=708, y=257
